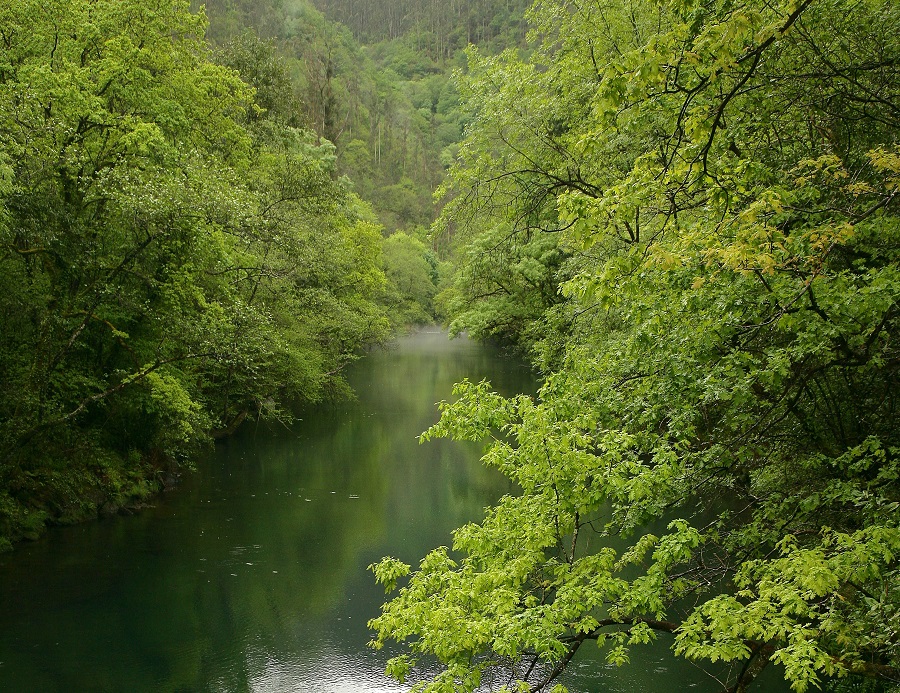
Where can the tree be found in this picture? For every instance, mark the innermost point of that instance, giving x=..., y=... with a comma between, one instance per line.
x=411, y=279
x=506, y=281
x=725, y=179
x=389, y=96
x=171, y=258
x=260, y=65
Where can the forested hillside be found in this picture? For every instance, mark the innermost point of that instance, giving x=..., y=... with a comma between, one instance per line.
x=173, y=258
x=438, y=29
x=375, y=80
x=688, y=215
x=390, y=111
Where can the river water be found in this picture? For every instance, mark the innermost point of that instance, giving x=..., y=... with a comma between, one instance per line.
x=251, y=575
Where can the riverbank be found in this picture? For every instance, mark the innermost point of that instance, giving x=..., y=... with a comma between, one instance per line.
x=92, y=480
x=66, y=494
x=251, y=574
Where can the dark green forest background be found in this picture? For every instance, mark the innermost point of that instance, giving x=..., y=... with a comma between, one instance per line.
x=372, y=78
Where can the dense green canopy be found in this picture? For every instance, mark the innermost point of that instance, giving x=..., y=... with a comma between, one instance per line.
x=171, y=257
x=685, y=212
x=712, y=190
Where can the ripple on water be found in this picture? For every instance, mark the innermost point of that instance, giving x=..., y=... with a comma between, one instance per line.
x=329, y=674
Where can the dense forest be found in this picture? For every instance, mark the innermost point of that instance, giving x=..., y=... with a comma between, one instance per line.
x=391, y=110
x=685, y=214
x=438, y=29
x=180, y=248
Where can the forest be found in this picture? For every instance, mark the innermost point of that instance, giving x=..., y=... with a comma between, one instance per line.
x=685, y=214
x=181, y=245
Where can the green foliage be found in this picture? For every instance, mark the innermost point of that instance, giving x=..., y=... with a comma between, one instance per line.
x=172, y=256
x=412, y=279
x=385, y=110
x=505, y=282
x=434, y=30
x=383, y=96
x=714, y=451
x=259, y=64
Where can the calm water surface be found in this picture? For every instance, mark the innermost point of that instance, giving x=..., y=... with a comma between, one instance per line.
x=251, y=576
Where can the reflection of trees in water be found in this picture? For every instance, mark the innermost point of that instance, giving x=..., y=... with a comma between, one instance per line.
x=184, y=597
x=260, y=616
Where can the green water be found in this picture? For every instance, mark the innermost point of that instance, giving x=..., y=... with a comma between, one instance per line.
x=251, y=576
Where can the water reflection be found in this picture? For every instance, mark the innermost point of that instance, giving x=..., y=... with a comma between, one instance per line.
x=251, y=576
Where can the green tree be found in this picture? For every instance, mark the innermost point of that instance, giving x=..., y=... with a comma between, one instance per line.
x=505, y=282
x=411, y=279
x=260, y=65
x=723, y=180
x=171, y=258
x=308, y=70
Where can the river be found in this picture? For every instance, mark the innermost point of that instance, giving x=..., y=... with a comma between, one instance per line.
x=251, y=575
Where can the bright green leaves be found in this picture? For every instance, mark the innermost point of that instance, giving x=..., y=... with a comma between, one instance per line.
x=124, y=80
x=165, y=269
x=508, y=597
x=181, y=418
x=527, y=582
x=475, y=415
x=796, y=605
x=388, y=571
x=715, y=311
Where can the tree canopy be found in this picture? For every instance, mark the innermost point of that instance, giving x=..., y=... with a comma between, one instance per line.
x=172, y=258
x=389, y=109
x=712, y=463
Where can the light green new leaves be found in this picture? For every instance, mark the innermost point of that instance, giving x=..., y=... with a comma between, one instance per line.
x=800, y=601
x=718, y=344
